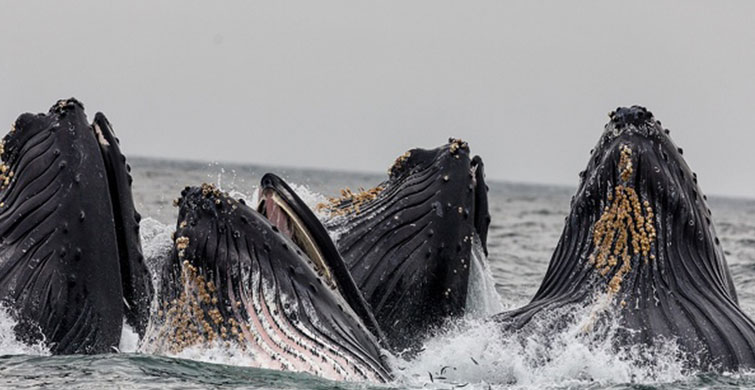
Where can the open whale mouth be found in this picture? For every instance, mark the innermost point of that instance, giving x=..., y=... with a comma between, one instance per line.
x=282, y=214
x=288, y=212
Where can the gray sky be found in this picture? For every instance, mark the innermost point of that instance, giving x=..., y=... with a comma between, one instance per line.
x=352, y=84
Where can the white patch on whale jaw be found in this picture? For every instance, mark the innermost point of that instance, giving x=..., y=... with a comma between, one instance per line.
x=100, y=137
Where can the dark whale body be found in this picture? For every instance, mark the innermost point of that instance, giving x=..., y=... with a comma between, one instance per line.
x=240, y=279
x=70, y=257
x=640, y=234
x=408, y=242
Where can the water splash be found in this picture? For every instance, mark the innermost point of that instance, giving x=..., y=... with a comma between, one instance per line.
x=157, y=243
x=250, y=198
x=215, y=352
x=547, y=354
x=311, y=198
x=10, y=345
x=482, y=298
x=129, y=339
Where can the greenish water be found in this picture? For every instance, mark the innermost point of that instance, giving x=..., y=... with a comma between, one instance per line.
x=134, y=371
x=469, y=354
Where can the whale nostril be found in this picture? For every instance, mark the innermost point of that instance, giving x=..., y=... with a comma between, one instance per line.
x=635, y=115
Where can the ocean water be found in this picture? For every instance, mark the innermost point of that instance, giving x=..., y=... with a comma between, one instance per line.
x=469, y=353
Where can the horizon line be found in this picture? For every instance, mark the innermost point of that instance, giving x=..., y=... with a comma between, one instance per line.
x=564, y=186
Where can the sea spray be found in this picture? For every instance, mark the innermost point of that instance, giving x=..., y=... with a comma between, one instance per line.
x=10, y=345
x=129, y=339
x=482, y=298
x=548, y=353
x=156, y=246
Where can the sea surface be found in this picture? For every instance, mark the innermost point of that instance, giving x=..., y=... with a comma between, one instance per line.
x=470, y=353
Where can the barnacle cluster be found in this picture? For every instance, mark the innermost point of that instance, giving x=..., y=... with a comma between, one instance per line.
x=194, y=317
x=5, y=173
x=456, y=144
x=181, y=244
x=624, y=230
x=209, y=189
x=399, y=163
x=349, y=201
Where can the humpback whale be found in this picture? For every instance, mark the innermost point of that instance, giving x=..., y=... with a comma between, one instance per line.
x=259, y=282
x=407, y=242
x=71, y=265
x=640, y=236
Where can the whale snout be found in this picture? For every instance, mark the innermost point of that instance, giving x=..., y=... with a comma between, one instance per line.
x=635, y=115
x=635, y=150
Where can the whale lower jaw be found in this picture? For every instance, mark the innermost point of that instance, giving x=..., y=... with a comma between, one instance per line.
x=277, y=343
x=237, y=280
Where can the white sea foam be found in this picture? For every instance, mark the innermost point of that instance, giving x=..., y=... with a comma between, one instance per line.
x=479, y=353
x=129, y=339
x=217, y=353
x=10, y=345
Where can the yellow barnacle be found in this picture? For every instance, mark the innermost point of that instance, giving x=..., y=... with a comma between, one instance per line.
x=350, y=202
x=182, y=242
x=625, y=229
